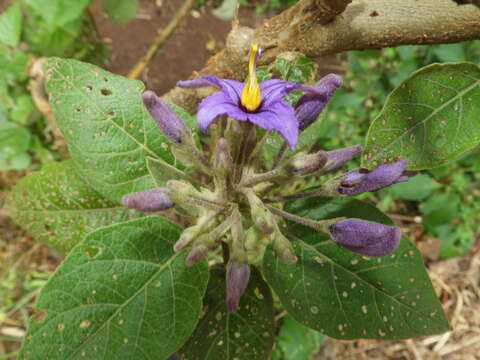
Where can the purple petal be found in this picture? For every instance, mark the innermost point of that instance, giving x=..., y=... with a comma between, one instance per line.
x=217, y=105
x=168, y=122
x=366, y=237
x=337, y=158
x=237, y=279
x=232, y=88
x=150, y=200
x=384, y=175
x=310, y=105
x=274, y=90
x=278, y=116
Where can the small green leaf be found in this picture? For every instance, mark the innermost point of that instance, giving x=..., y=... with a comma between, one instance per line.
x=120, y=11
x=122, y=293
x=348, y=296
x=431, y=118
x=417, y=188
x=107, y=129
x=59, y=208
x=11, y=25
x=245, y=335
x=296, y=342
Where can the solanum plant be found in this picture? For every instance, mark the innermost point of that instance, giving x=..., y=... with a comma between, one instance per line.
x=187, y=234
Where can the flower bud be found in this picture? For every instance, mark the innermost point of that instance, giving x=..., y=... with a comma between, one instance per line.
x=307, y=164
x=310, y=105
x=150, y=200
x=168, y=122
x=196, y=254
x=361, y=180
x=365, y=237
x=283, y=248
x=337, y=158
x=237, y=278
x=261, y=217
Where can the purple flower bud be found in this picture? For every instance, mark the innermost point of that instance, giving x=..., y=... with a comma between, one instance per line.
x=170, y=124
x=196, y=254
x=365, y=237
x=308, y=164
x=361, y=180
x=310, y=105
x=150, y=200
x=237, y=280
x=337, y=158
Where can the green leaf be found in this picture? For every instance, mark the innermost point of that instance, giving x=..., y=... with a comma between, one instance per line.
x=245, y=335
x=14, y=138
x=440, y=208
x=418, y=188
x=107, y=129
x=296, y=342
x=59, y=208
x=120, y=11
x=11, y=25
x=122, y=293
x=348, y=296
x=431, y=118
x=162, y=171
x=56, y=13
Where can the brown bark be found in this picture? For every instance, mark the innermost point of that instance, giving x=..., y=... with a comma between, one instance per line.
x=322, y=27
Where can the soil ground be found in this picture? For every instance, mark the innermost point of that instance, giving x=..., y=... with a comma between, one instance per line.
x=25, y=265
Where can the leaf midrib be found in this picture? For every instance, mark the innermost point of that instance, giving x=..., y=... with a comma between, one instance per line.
x=372, y=286
x=82, y=94
x=121, y=307
x=434, y=112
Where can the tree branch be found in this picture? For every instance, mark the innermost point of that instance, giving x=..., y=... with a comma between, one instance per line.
x=322, y=27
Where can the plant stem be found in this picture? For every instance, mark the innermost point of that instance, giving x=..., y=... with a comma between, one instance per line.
x=321, y=226
x=160, y=39
x=301, y=195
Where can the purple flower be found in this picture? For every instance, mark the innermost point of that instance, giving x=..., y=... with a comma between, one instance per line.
x=150, y=200
x=237, y=279
x=337, y=158
x=310, y=105
x=259, y=103
x=361, y=180
x=170, y=124
x=365, y=237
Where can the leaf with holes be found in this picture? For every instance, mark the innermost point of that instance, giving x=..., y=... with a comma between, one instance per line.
x=348, y=296
x=59, y=208
x=244, y=335
x=108, y=131
x=431, y=118
x=122, y=293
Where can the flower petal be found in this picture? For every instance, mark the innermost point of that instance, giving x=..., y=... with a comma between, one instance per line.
x=230, y=87
x=383, y=176
x=365, y=237
x=278, y=116
x=274, y=90
x=310, y=105
x=216, y=105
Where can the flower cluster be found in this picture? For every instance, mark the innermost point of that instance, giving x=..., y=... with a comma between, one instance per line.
x=227, y=199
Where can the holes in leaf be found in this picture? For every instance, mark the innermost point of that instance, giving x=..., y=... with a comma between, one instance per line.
x=111, y=113
x=106, y=92
x=93, y=251
x=89, y=88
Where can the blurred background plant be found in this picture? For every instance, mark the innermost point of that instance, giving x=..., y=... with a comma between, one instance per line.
x=436, y=206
